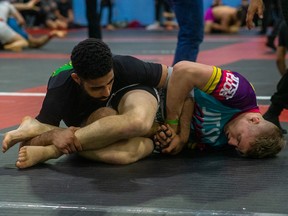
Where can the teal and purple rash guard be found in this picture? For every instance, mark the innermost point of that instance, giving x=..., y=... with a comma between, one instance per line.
x=225, y=96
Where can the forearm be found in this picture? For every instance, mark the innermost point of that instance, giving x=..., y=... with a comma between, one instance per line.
x=22, y=6
x=18, y=17
x=185, y=120
x=178, y=88
x=186, y=75
x=219, y=27
x=43, y=139
x=170, y=141
x=255, y=7
x=70, y=16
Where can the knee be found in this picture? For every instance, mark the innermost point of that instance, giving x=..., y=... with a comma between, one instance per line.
x=140, y=125
x=100, y=113
x=25, y=43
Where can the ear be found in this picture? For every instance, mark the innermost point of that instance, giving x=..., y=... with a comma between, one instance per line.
x=76, y=78
x=255, y=120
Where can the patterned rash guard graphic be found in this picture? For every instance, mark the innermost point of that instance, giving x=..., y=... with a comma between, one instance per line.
x=226, y=95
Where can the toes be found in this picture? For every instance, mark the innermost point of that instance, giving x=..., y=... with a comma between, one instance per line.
x=22, y=154
x=20, y=165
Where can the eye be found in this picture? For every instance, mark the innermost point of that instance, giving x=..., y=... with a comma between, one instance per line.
x=95, y=88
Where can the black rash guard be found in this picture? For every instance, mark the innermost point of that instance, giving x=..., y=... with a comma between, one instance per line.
x=65, y=99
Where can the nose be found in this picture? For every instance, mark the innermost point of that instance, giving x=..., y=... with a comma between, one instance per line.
x=106, y=91
x=232, y=141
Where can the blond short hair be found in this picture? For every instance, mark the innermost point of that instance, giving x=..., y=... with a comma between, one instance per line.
x=269, y=142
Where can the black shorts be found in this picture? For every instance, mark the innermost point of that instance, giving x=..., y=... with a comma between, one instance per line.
x=115, y=98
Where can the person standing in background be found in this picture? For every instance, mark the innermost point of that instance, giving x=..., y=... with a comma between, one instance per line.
x=279, y=100
x=162, y=7
x=276, y=18
x=93, y=19
x=282, y=49
x=65, y=12
x=280, y=97
x=109, y=5
x=189, y=15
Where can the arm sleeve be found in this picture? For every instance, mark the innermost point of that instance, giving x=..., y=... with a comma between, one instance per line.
x=232, y=89
x=51, y=111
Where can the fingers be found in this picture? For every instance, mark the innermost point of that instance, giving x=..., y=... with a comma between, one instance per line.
x=173, y=148
x=164, y=133
x=159, y=146
x=69, y=148
x=77, y=146
x=66, y=141
x=260, y=12
x=163, y=137
x=72, y=148
x=64, y=151
x=255, y=7
x=249, y=21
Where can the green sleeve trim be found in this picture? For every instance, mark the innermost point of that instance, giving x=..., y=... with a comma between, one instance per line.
x=65, y=67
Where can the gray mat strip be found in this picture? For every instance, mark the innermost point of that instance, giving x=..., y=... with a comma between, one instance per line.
x=125, y=210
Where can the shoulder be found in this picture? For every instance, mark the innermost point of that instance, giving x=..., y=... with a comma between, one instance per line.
x=9, y=5
x=60, y=76
x=125, y=59
x=133, y=64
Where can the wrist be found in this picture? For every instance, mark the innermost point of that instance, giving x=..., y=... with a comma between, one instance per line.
x=172, y=121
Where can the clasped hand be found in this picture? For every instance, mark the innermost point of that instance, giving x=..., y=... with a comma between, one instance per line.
x=66, y=141
x=167, y=141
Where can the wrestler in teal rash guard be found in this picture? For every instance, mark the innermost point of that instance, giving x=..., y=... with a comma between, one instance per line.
x=227, y=95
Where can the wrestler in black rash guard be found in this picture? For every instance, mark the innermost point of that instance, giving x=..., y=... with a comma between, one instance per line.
x=66, y=100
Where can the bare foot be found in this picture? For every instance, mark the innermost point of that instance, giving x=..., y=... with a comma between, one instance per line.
x=14, y=48
x=58, y=33
x=28, y=129
x=29, y=156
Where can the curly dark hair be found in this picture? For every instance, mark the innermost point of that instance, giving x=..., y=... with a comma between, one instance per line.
x=91, y=59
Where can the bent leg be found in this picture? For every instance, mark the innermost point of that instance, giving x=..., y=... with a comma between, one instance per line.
x=37, y=42
x=16, y=44
x=137, y=110
x=122, y=152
